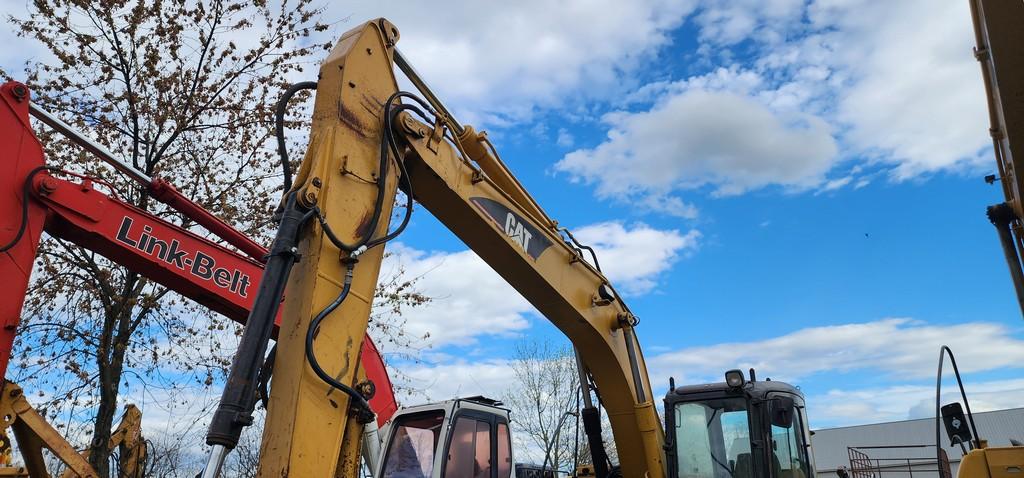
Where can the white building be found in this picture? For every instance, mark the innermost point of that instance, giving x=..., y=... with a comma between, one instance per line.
x=832, y=446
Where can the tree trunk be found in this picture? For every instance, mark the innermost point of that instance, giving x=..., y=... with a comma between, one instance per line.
x=110, y=362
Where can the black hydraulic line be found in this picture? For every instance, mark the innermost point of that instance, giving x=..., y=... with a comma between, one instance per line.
x=580, y=245
x=1002, y=216
x=279, y=111
x=938, y=403
x=26, y=191
x=240, y=394
x=406, y=183
x=239, y=397
x=363, y=410
x=263, y=380
x=388, y=144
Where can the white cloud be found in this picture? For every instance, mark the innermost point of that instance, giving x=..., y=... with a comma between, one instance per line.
x=897, y=80
x=834, y=184
x=460, y=378
x=874, y=83
x=505, y=59
x=914, y=90
x=840, y=406
x=888, y=351
x=726, y=22
x=898, y=355
x=471, y=301
x=633, y=258
x=565, y=138
x=700, y=137
x=896, y=348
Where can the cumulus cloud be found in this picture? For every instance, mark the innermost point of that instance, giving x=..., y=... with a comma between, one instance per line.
x=632, y=258
x=898, y=80
x=839, y=406
x=504, y=59
x=899, y=356
x=727, y=22
x=460, y=378
x=469, y=301
x=896, y=348
x=565, y=138
x=913, y=91
x=699, y=137
x=810, y=85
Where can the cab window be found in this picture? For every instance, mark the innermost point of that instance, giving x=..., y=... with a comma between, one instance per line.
x=504, y=464
x=712, y=439
x=788, y=450
x=411, y=451
x=469, y=451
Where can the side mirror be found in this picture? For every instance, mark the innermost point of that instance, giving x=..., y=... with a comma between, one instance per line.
x=782, y=409
x=956, y=423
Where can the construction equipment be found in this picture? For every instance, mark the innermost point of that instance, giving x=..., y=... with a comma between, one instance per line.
x=37, y=199
x=368, y=140
x=738, y=429
x=982, y=461
x=999, y=37
x=463, y=437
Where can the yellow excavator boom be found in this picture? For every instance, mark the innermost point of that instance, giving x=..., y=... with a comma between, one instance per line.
x=348, y=180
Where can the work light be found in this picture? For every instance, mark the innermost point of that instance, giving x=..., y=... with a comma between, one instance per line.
x=734, y=378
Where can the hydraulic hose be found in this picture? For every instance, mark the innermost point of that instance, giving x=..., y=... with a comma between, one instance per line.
x=279, y=111
x=365, y=413
x=25, y=193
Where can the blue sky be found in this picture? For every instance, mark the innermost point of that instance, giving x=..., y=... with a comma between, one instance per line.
x=795, y=186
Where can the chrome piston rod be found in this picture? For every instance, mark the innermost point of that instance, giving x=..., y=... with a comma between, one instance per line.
x=89, y=144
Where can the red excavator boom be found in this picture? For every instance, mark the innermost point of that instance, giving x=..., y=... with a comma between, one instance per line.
x=34, y=198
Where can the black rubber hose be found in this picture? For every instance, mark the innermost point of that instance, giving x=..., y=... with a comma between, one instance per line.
x=580, y=245
x=387, y=143
x=390, y=139
x=365, y=412
x=282, y=108
x=26, y=190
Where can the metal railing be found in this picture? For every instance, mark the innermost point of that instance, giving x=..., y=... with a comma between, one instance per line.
x=862, y=465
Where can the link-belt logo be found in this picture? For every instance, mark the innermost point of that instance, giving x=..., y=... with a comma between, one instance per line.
x=518, y=229
x=198, y=264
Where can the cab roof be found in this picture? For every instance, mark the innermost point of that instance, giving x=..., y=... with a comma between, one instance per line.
x=758, y=389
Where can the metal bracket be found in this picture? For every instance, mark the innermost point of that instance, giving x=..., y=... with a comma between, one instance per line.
x=437, y=136
x=33, y=434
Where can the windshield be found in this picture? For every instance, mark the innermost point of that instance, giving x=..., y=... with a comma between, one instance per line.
x=712, y=439
x=788, y=449
x=411, y=451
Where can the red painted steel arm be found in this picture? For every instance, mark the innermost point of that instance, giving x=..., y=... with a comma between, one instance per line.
x=165, y=192
x=21, y=154
x=212, y=275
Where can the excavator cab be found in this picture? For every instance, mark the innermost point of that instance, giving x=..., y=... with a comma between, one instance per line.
x=737, y=429
x=448, y=439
